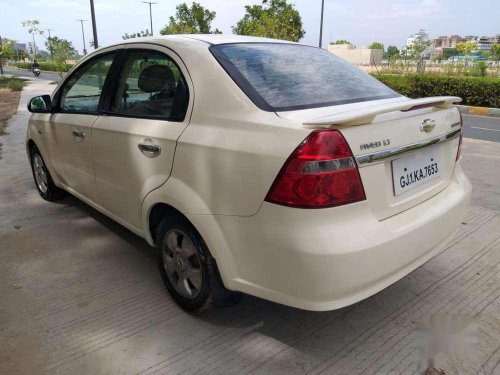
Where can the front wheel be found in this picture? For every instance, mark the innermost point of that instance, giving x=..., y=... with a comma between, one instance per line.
x=187, y=268
x=43, y=181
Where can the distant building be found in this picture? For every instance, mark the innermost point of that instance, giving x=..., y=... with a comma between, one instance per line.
x=483, y=43
x=30, y=48
x=419, y=38
x=445, y=42
x=358, y=56
x=20, y=47
x=448, y=41
x=413, y=39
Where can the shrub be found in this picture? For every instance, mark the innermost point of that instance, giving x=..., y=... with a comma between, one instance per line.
x=47, y=66
x=476, y=91
x=13, y=83
x=16, y=85
x=479, y=69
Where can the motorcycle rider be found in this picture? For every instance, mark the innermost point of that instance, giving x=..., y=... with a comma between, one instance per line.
x=35, y=65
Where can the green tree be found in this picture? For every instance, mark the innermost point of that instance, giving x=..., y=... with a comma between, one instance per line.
x=43, y=55
x=63, y=51
x=392, y=51
x=377, y=45
x=419, y=49
x=190, y=20
x=449, y=52
x=33, y=29
x=495, y=51
x=140, y=34
x=273, y=19
x=479, y=69
x=8, y=49
x=466, y=48
x=21, y=54
x=341, y=41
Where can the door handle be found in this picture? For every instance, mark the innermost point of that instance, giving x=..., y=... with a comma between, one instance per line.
x=78, y=134
x=149, y=149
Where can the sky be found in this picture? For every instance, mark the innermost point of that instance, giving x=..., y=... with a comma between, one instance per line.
x=359, y=21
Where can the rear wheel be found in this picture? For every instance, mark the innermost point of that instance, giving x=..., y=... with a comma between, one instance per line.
x=187, y=268
x=43, y=181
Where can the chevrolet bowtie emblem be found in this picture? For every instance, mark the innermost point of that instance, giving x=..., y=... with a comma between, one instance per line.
x=427, y=125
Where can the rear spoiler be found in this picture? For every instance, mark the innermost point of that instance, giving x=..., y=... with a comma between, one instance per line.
x=366, y=115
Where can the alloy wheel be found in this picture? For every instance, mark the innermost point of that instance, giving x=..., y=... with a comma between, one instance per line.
x=182, y=264
x=40, y=173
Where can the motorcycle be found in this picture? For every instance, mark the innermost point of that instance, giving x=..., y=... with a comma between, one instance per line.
x=36, y=72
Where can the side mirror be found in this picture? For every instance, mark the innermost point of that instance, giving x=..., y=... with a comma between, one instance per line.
x=40, y=104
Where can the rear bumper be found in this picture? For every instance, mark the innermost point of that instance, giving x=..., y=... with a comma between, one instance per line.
x=330, y=258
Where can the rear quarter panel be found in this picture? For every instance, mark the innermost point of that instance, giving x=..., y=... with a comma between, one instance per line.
x=228, y=157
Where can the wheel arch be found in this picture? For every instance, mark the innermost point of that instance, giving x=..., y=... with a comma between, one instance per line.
x=158, y=211
x=29, y=146
x=205, y=225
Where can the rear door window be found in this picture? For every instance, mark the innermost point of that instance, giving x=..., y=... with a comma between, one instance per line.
x=150, y=85
x=283, y=77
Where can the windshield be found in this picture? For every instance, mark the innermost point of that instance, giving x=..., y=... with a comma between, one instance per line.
x=284, y=77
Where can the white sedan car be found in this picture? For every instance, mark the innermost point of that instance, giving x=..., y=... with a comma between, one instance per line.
x=254, y=165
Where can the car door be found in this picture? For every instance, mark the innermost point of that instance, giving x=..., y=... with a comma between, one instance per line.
x=133, y=142
x=69, y=134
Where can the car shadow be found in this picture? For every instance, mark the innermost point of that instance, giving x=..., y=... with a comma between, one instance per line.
x=317, y=336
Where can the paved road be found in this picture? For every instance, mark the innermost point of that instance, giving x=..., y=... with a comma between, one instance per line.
x=480, y=127
x=29, y=74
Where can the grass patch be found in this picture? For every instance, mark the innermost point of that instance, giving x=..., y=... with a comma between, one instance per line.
x=12, y=83
x=9, y=100
x=10, y=93
x=46, y=66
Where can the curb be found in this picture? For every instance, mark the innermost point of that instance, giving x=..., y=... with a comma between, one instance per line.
x=479, y=111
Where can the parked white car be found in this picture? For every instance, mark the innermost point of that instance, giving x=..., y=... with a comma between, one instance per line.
x=254, y=165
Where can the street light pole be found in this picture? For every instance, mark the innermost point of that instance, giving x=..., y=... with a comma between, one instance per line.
x=150, y=14
x=321, y=24
x=50, y=45
x=83, y=36
x=34, y=47
x=94, y=27
x=1, y=50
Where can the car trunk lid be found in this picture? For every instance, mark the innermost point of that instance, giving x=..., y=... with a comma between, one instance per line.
x=405, y=148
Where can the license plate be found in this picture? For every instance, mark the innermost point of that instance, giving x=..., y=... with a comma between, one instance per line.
x=416, y=169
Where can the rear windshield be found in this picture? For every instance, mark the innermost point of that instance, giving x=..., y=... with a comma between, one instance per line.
x=284, y=77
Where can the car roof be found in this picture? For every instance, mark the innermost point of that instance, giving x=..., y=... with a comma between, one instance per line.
x=229, y=38
x=203, y=39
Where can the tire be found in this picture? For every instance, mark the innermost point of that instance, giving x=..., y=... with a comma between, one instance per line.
x=187, y=268
x=43, y=180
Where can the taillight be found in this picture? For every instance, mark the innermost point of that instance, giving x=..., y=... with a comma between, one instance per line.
x=459, y=151
x=320, y=173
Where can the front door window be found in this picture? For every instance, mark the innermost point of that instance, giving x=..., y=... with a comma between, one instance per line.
x=82, y=91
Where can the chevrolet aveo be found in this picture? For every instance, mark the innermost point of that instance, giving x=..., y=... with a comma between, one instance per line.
x=254, y=165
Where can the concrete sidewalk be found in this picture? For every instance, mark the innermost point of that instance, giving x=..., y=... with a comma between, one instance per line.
x=82, y=295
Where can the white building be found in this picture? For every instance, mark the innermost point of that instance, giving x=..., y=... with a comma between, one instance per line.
x=30, y=48
x=413, y=39
x=420, y=38
x=357, y=56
